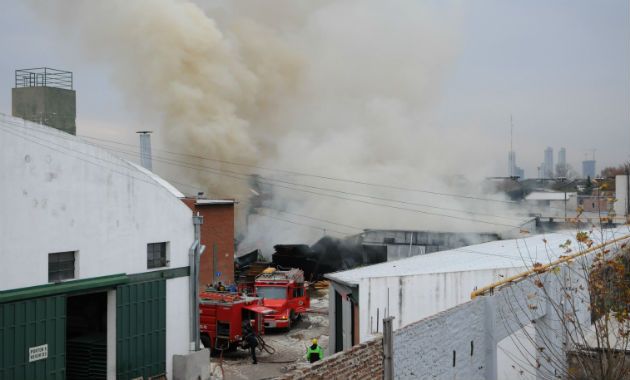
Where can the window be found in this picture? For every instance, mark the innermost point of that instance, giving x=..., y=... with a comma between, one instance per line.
x=298, y=292
x=156, y=255
x=271, y=292
x=60, y=266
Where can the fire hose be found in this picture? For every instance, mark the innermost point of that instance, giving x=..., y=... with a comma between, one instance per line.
x=262, y=345
x=220, y=366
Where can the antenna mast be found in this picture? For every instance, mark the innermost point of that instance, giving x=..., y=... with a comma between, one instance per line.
x=511, y=133
x=511, y=156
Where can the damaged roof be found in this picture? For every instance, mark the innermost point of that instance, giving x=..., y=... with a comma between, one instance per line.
x=515, y=253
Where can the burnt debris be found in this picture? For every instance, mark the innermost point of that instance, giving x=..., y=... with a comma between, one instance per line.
x=327, y=255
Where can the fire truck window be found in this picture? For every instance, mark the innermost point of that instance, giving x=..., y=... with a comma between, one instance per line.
x=298, y=292
x=271, y=292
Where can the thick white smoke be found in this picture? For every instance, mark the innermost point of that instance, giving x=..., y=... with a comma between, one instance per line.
x=342, y=89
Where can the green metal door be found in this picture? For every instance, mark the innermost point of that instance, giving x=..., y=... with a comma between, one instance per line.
x=33, y=339
x=141, y=329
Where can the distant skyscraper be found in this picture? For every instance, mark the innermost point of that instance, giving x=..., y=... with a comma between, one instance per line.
x=561, y=168
x=588, y=168
x=562, y=156
x=548, y=168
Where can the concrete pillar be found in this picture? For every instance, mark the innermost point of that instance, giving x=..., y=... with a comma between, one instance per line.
x=621, y=194
x=111, y=334
x=331, y=319
x=388, y=350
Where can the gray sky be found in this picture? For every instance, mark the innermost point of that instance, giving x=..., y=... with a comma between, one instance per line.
x=560, y=68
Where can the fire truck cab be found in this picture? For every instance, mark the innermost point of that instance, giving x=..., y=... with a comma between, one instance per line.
x=221, y=317
x=284, y=292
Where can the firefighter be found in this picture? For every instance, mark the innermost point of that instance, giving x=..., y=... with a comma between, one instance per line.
x=250, y=337
x=314, y=352
x=220, y=287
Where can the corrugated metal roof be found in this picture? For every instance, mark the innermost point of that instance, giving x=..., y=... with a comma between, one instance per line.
x=514, y=253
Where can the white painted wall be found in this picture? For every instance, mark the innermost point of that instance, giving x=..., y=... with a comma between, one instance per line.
x=411, y=298
x=177, y=320
x=58, y=193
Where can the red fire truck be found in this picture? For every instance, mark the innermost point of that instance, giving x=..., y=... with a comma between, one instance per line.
x=285, y=293
x=221, y=317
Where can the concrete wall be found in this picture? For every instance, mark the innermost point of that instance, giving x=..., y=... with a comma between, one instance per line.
x=60, y=194
x=55, y=107
x=621, y=194
x=363, y=361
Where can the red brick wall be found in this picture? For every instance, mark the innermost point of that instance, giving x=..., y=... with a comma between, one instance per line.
x=363, y=361
x=217, y=230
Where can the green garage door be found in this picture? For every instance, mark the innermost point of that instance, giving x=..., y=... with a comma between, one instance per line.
x=33, y=339
x=141, y=329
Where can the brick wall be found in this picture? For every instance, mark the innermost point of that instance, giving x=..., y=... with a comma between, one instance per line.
x=217, y=230
x=363, y=361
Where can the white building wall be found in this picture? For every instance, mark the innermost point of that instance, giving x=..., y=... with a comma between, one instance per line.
x=411, y=298
x=177, y=320
x=58, y=193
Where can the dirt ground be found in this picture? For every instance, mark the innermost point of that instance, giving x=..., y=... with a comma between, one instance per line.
x=290, y=347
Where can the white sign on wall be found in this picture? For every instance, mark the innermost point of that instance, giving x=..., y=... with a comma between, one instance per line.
x=38, y=353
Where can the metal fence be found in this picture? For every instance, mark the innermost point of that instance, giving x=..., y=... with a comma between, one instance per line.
x=43, y=77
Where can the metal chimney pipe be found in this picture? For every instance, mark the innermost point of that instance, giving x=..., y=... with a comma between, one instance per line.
x=145, y=150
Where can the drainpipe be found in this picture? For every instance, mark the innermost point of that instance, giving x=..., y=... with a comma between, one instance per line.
x=196, y=250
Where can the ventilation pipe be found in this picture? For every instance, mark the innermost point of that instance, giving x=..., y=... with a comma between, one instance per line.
x=145, y=150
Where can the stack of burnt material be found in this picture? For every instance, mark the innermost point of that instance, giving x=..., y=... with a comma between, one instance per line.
x=326, y=256
x=246, y=268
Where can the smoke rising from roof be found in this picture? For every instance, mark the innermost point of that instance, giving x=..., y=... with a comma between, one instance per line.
x=339, y=88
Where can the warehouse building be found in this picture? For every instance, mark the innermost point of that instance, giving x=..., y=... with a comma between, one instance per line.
x=422, y=286
x=94, y=281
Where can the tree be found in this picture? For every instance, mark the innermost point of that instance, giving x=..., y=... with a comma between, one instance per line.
x=587, y=298
x=588, y=186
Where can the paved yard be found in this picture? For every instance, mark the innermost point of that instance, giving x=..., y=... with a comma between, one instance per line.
x=290, y=346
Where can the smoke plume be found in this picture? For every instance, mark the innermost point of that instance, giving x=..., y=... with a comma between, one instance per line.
x=342, y=89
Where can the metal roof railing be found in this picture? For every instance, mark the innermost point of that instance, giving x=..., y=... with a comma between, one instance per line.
x=43, y=77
